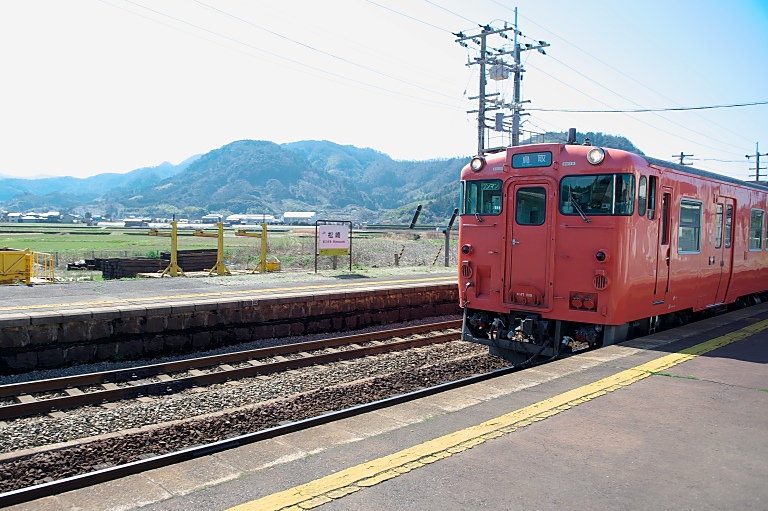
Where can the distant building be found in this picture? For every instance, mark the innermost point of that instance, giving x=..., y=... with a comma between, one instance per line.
x=14, y=217
x=251, y=219
x=210, y=219
x=299, y=218
x=136, y=222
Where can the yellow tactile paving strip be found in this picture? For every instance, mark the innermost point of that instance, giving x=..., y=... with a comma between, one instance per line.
x=219, y=294
x=354, y=479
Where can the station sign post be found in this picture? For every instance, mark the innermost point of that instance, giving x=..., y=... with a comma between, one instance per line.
x=333, y=238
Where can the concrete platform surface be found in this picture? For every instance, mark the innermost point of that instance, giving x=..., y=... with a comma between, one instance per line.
x=47, y=298
x=678, y=420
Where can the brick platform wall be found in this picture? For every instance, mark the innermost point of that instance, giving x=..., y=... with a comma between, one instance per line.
x=43, y=340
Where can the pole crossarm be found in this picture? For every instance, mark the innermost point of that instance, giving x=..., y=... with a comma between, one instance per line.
x=500, y=71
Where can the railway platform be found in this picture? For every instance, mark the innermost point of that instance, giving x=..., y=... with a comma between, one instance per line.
x=676, y=420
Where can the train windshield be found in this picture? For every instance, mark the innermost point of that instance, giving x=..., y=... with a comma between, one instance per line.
x=602, y=194
x=481, y=197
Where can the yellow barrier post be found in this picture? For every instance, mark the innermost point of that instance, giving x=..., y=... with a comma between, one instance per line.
x=173, y=268
x=220, y=268
x=263, y=258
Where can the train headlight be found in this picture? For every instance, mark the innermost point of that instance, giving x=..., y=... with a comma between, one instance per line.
x=477, y=163
x=601, y=256
x=466, y=249
x=595, y=156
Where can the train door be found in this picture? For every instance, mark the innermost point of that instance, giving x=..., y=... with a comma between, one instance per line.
x=663, y=251
x=723, y=244
x=528, y=248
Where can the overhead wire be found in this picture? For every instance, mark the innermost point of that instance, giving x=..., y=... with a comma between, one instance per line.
x=282, y=59
x=641, y=110
x=634, y=80
x=318, y=50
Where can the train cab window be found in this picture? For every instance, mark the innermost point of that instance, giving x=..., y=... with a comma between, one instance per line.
x=689, y=231
x=481, y=197
x=642, y=196
x=756, y=229
x=531, y=206
x=728, y=225
x=602, y=194
x=652, y=197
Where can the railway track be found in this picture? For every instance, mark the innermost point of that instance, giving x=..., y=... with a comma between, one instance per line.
x=57, y=394
x=85, y=464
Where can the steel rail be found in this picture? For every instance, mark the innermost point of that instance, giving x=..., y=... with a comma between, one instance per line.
x=139, y=388
x=136, y=467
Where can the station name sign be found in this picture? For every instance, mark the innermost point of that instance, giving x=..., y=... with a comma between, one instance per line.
x=333, y=240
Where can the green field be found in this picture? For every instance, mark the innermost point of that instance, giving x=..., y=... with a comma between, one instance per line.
x=294, y=247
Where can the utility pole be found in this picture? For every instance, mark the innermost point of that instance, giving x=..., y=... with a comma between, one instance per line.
x=757, y=156
x=681, y=156
x=499, y=71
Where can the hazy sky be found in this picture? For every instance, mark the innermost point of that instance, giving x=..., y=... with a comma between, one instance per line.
x=93, y=86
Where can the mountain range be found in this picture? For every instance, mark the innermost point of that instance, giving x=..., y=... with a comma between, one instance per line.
x=250, y=176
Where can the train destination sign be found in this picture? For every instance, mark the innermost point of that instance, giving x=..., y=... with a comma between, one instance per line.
x=530, y=160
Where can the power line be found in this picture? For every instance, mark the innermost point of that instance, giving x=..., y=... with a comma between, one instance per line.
x=282, y=59
x=409, y=17
x=644, y=110
x=620, y=72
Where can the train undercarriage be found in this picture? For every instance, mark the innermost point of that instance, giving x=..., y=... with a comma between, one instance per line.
x=526, y=339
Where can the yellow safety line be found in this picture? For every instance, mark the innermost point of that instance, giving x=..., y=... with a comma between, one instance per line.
x=106, y=303
x=354, y=479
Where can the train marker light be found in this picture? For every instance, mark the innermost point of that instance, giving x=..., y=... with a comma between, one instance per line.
x=595, y=156
x=477, y=163
x=601, y=256
x=577, y=302
x=466, y=249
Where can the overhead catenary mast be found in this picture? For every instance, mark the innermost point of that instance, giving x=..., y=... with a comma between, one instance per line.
x=499, y=70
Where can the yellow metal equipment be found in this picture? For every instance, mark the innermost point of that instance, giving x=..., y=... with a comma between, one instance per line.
x=220, y=268
x=25, y=266
x=201, y=233
x=173, y=268
x=263, y=266
x=156, y=232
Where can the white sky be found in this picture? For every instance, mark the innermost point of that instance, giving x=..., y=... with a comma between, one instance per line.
x=93, y=86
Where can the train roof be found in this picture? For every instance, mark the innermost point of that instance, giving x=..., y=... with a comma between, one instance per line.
x=705, y=173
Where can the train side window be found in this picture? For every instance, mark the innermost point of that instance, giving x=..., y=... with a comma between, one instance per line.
x=642, y=196
x=531, y=205
x=728, y=225
x=756, y=229
x=719, y=226
x=689, y=231
x=652, y=180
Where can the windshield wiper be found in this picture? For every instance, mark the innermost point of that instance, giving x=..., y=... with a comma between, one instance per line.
x=579, y=210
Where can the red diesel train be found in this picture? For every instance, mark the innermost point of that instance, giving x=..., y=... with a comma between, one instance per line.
x=564, y=246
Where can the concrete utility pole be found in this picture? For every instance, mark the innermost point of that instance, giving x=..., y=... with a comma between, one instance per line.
x=500, y=70
x=757, y=156
x=681, y=156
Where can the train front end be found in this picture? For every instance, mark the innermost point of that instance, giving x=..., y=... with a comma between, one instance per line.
x=540, y=231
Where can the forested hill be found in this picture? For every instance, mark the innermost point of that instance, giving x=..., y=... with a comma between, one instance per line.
x=250, y=176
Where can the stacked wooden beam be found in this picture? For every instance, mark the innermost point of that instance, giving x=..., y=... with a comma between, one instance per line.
x=193, y=260
x=129, y=267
